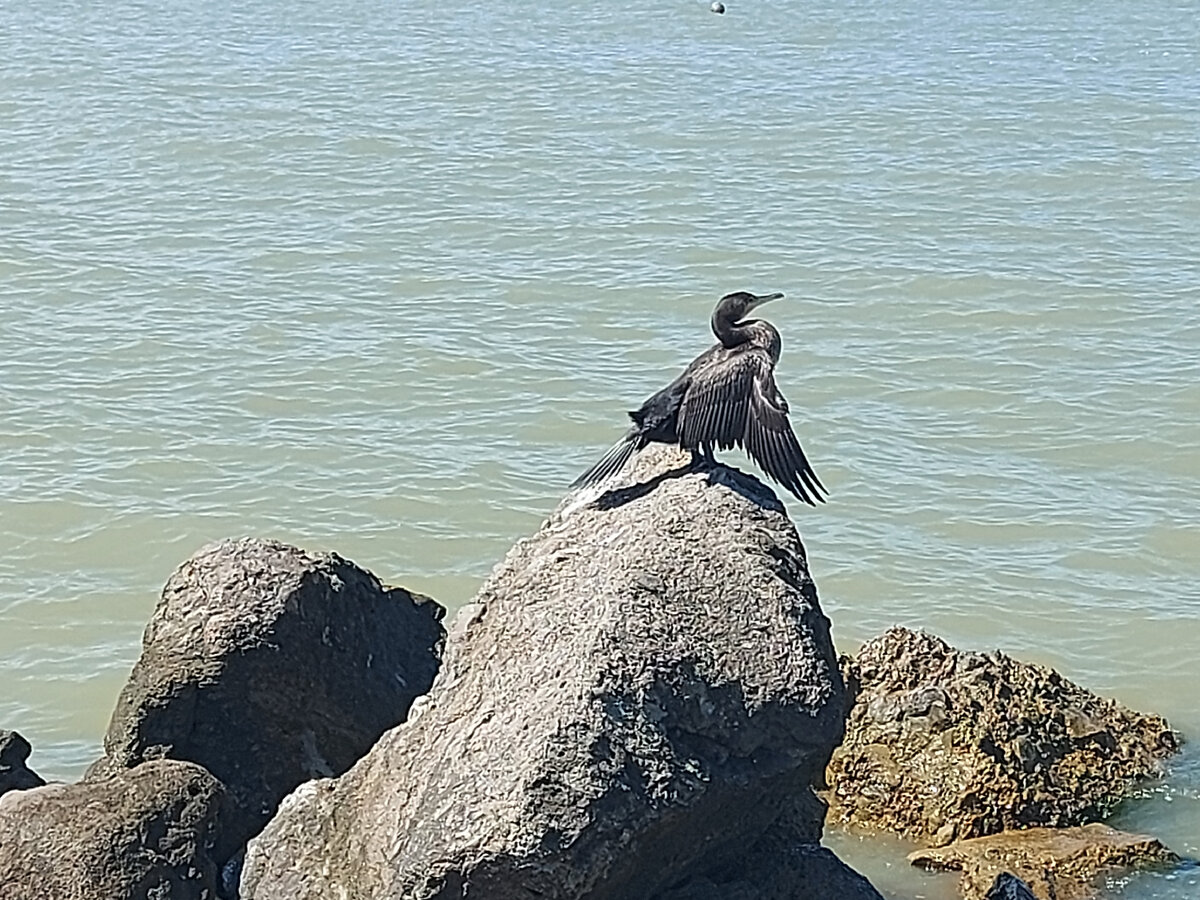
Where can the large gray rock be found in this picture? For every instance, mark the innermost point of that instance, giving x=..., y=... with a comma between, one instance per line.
x=635, y=706
x=146, y=833
x=943, y=744
x=14, y=774
x=269, y=666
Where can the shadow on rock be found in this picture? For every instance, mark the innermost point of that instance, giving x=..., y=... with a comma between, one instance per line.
x=14, y=774
x=735, y=479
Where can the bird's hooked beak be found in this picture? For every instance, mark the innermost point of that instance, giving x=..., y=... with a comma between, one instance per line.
x=759, y=299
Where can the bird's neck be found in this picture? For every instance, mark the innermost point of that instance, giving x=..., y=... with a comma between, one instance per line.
x=731, y=333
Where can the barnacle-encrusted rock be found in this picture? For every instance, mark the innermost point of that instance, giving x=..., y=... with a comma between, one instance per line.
x=943, y=744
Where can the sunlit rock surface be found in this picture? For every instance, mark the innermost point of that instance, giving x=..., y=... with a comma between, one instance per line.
x=147, y=832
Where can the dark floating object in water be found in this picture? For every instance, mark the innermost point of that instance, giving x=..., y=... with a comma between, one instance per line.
x=718, y=8
x=727, y=396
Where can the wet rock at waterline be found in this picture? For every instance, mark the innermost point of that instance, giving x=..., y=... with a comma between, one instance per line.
x=269, y=666
x=640, y=695
x=1054, y=863
x=148, y=832
x=14, y=774
x=944, y=744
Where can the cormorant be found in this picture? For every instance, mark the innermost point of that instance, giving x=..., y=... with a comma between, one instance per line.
x=727, y=396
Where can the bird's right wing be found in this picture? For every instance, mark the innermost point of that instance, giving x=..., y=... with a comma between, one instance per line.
x=713, y=411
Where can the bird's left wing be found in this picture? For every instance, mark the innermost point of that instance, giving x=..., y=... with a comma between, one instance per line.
x=769, y=438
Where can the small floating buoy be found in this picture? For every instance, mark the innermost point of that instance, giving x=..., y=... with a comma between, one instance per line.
x=718, y=8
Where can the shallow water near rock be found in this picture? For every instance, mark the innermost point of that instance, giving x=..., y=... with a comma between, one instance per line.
x=382, y=279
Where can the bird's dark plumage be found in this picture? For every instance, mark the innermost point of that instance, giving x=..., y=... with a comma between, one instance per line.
x=726, y=397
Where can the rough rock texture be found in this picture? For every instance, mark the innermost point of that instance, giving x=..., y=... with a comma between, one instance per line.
x=14, y=775
x=269, y=666
x=943, y=744
x=147, y=833
x=641, y=692
x=1056, y=863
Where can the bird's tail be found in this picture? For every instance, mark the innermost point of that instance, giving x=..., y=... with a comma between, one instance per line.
x=611, y=462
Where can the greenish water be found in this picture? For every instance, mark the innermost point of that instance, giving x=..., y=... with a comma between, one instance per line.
x=382, y=278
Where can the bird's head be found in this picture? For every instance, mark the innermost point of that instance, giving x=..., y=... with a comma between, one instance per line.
x=736, y=306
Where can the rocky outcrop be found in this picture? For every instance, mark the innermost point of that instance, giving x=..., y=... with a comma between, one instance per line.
x=270, y=666
x=147, y=832
x=943, y=744
x=14, y=774
x=634, y=706
x=1054, y=863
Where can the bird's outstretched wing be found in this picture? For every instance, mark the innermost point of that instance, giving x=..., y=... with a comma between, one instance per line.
x=736, y=401
x=714, y=407
x=772, y=443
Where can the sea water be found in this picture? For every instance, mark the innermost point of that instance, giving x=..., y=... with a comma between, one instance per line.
x=382, y=278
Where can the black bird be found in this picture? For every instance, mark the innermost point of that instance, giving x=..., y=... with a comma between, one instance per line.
x=725, y=397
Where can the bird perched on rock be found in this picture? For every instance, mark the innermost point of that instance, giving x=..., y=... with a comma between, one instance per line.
x=726, y=397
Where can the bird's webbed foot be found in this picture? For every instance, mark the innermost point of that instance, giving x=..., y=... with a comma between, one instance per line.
x=702, y=458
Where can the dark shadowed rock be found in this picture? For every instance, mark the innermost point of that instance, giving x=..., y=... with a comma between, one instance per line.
x=779, y=870
x=1007, y=886
x=146, y=833
x=1054, y=863
x=269, y=666
x=942, y=743
x=634, y=706
x=14, y=775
